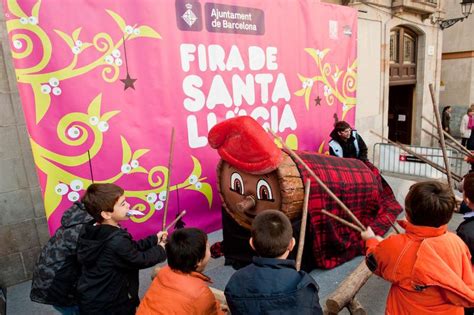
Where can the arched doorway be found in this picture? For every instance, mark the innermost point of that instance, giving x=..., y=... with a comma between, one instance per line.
x=403, y=57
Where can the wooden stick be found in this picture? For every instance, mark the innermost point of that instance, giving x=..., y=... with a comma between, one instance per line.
x=319, y=181
x=393, y=225
x=447, y=143
x=431, y=163
x=304, y=217
x=346, y=223
x=441, y=137
x=170, y=161
x=460, y=147
x=176, y=220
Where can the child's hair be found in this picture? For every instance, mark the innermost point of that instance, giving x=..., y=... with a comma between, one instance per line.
x=185, y=248
x=271, y=233
x=341, y=125
x=430, y=203
x=101, y=197
x=468, y=186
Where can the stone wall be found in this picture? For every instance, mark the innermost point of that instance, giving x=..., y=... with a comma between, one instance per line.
x=23, y=227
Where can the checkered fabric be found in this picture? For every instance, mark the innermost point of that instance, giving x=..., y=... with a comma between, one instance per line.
x=361, y=188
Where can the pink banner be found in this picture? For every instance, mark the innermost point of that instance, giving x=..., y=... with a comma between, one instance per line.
x=102, y=84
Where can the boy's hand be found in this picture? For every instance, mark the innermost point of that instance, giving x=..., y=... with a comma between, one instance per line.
x=367, y=234
x=162, y=236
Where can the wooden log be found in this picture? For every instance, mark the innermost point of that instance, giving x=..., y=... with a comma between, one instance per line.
x=319, y=181
x=355, y=308
x=304, y=217
x=348, y=288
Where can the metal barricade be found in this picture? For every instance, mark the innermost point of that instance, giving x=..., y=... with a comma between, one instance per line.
x=390, y=158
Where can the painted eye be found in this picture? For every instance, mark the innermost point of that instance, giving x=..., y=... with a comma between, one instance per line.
x=17, y=44
x=33, y=20
x=162, y=195
x=236, y=183
x=103, y=126
x=23, y=20
x=57, y=91
x=73, y=196
x=126, y=168
x=128, y=29
x=73, y=132
x=193, y=179
x=77, y=185
x=198, y=185
x=45, y=89
x=61, y=189
x=53, y=82
x=118, y=62
x=151, y=197
x=94, y=120
x=264, y=191
x=116, y=53
x=136, y=31
x=109, y=59
x=134, y=163
x=75, y=50
x=78, y=43
x=159, y=205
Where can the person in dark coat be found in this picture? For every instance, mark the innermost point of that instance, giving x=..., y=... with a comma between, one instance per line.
x=466, y=229
x=446, y=119
x=346, y=142
x=271, y=284
x=57, y=271
x=110, y=257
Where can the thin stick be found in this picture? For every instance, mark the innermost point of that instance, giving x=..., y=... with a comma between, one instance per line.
x=460, y=147
x=319, y=181
x=447, y=143
x=347, y=223
x=176, y=220
x=431, y=163
x=170, y=161
x=304, y=217
x=90, y=166
x=393, y=225
x=441, y=137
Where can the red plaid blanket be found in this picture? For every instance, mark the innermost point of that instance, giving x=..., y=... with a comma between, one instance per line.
x=361, y=188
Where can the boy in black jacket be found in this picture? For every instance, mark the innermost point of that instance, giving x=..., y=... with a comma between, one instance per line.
x=466, y=229
x=110, y=257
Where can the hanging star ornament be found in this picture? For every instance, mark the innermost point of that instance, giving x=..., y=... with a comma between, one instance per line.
x=129, y=82
x=317, y=101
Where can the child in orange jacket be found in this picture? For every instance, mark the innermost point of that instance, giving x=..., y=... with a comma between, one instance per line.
x=429, y=267
x=180, y=287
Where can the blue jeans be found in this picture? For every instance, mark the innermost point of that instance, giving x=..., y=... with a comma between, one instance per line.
x=67, y=310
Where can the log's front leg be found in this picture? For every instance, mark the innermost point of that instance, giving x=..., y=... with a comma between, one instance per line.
x=355, y=308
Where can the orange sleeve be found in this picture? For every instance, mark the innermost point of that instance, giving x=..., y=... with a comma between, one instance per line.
x=206, y=303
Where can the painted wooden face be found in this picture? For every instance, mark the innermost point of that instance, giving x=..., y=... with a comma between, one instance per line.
x=246, y=195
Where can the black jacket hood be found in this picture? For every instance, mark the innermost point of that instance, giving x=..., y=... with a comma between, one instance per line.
x=75, y=215
x=93, y=241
